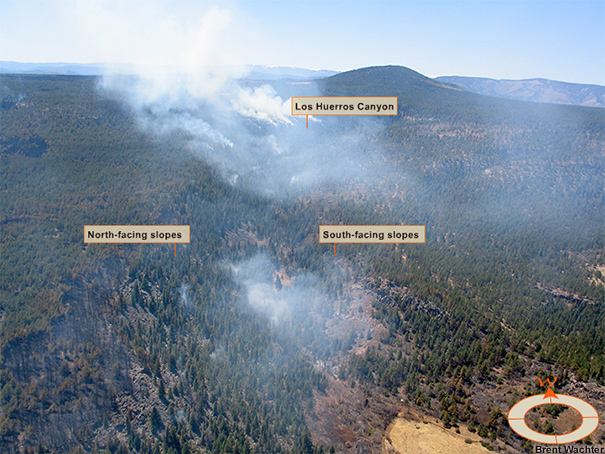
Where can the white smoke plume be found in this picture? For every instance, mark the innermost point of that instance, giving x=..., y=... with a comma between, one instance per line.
x=255, y=275
x=267, y=295
x=184, y=298
x=304, y=314
x=244, y=129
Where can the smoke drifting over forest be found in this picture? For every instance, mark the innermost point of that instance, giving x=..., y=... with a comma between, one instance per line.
x=243, y=128
x=246, y=131
x=265, y=292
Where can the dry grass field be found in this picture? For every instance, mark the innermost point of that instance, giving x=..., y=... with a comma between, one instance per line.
x=407, y=435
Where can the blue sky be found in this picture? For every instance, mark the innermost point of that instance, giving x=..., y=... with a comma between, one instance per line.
x=561, y=40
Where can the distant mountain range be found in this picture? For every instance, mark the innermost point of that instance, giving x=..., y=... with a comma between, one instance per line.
x=80, y=69
x=536, y=90
x=256, y=72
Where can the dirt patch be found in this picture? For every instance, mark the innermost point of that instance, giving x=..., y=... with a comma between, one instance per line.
x=349, y=416
x=598, y=280
x=350, y=419
x=414, y=436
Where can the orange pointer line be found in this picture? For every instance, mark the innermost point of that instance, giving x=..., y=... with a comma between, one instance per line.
x=175, y=249
x=334, y=249
x=550, y=393
x=307, y=121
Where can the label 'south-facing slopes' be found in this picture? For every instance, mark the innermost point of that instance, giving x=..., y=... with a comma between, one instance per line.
x=372, y=234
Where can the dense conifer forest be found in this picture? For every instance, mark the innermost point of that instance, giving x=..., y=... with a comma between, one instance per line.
x=229, y=345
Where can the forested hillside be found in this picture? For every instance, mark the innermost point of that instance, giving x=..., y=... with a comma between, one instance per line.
x=236, y=343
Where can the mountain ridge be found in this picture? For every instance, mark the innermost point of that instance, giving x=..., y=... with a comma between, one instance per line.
x=541, y=90
x=254, y=72
x=389, y=78
x=535, y=90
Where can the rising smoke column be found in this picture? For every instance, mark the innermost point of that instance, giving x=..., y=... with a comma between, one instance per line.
x=243, y=128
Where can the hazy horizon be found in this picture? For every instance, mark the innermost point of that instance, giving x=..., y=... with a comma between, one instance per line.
x=515, y=40
x=254, y=68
